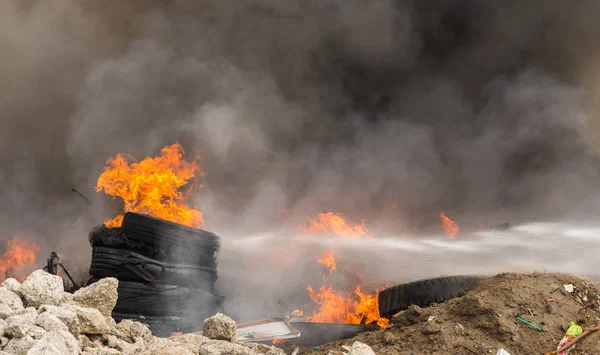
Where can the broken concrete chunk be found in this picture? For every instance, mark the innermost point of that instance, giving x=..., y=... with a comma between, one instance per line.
x=56, y=342
x=41, y=288
x=220, y=347
x=108, y=351
x=359, y=348
x=11, y=284
x=68, y=317
x=91, y=321
x=36, y=332
x=220, y=327
x=131, y=331
x=19, y=346
x=3, y=341
x=159, y=346
x=101, y=295
x=18, y=324
x=10, y=299
x=50, y=322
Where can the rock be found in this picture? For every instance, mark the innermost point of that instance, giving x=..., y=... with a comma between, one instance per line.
x=431, y=328
x=91, y=321
x=11, y=300
x=2, y=326
x=193, y=341
x=220, y=327
x=5, y=311
x=131, y=331
x=56, y=342
x=36, y=332
x=19, y=346
x=3, y=341
x=359, y=348
x=127, y=348
x=221, y=347
x=264, y=349
x=11, y=284
x=67, y=300
x=18, y=324
x=111, y=341
x=163, y=346
x=109, y=351
x=101, y=295
x=85, y=342
x=68, y=317
x=50, y=322
x=41, y=288
x=389, y=337
x=90, y=352
x=408, y=317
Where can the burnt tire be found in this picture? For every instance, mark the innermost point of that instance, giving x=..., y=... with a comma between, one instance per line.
x=129, y=266
x=423, y=293
x=195, y=246
x=164, y=300
x=165, y=325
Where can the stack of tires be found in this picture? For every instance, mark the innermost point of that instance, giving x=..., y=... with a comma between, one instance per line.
x=166, y=272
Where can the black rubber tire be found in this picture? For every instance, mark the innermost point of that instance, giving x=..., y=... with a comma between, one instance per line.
x=130, y=266
x=165, y=325
x=423, y=293
x=199, y=245
x=101, y=236
x=163, y=300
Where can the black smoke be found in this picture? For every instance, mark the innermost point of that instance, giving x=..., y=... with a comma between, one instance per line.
x=480, y=109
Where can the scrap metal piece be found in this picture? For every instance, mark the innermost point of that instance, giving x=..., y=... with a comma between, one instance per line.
x=266, y=330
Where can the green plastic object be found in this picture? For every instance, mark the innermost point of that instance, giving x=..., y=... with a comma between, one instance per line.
x=574, y=330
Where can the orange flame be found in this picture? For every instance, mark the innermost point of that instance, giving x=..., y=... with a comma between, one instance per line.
x=18, y=257
x=151, y=186
x=450, y=227
x=328, y=260
x=335, y=224
x=337, y=307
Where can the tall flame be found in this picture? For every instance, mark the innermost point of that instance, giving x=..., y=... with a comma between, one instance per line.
x=449, y=226
x=335, y=224
x=152, y=186
x=18, y=257
x=339, y=307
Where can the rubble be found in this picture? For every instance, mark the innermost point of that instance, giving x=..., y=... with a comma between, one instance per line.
x=41, y=288
x=39, y=318
x=220, y=327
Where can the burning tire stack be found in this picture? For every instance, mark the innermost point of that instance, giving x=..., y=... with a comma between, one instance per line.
x=166, y=271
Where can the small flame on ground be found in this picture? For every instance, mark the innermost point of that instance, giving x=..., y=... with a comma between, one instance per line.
x=335, y=224
x=152, y=186
x=18, y=257
x=279, y=341
x=338, y=307
x=328, y=260
x=449, y=226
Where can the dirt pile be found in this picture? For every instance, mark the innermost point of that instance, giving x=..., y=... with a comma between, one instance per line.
x=485, y=320
x=38, y=318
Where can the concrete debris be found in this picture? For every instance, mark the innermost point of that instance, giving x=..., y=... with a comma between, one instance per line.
x=39, y=318
x=10, y=284
x=101, y=295
x=41, y=288
x=220, y=327
x=359, y=348
x=91, y=321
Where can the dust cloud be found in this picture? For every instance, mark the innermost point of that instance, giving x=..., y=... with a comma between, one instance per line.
x=483, y=110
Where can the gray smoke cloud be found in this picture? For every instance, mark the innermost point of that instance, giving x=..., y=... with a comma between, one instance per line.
x=483, y=110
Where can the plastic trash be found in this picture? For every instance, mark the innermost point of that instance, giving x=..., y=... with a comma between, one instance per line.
x=573, y=332
x=502, y=352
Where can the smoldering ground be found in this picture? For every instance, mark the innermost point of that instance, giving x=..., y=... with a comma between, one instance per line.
x=483, y=110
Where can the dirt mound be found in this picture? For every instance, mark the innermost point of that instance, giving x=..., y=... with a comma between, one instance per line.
x=485, y=320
